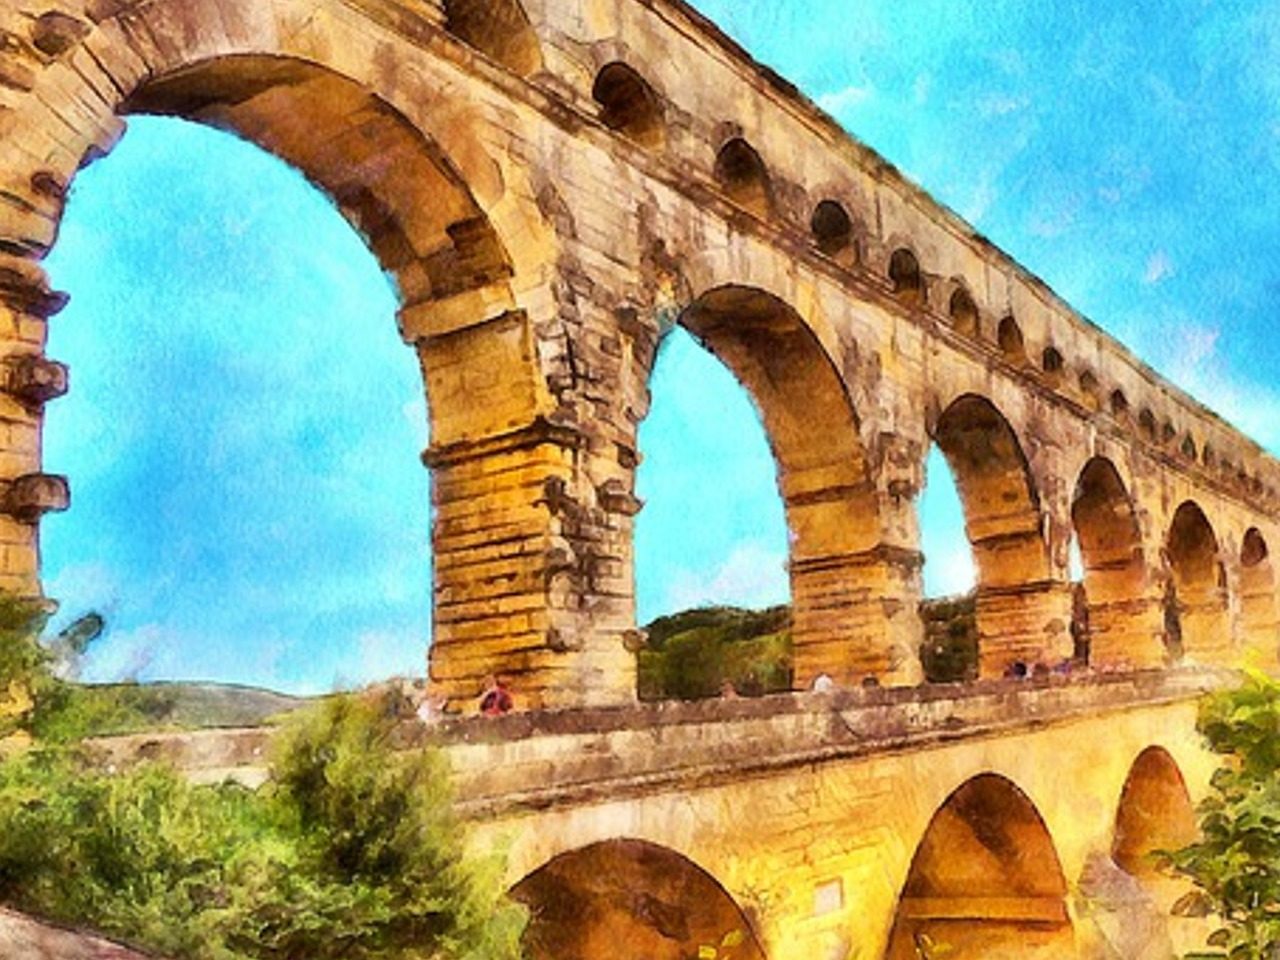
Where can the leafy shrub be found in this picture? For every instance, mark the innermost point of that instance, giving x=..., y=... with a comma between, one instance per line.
x=352, y=851
x=1236, y=863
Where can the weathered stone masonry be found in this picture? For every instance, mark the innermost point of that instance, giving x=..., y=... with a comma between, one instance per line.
x=552, y=186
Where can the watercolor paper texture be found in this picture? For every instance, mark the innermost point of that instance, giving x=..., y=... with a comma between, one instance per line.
x=805, y=515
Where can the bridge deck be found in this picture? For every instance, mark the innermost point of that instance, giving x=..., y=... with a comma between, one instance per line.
x=540, y=760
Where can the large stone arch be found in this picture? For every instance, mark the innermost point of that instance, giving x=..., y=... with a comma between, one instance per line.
x=1123, y=620
x=985, y=881
x=1019, y=606
x=628, y=899
x=840, y=575
x=395, y=133
x=1197, y=601
x=1259, y=616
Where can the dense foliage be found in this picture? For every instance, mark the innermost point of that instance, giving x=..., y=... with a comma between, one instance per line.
x=1236, y=863
x=350, y=851
x=692, y=655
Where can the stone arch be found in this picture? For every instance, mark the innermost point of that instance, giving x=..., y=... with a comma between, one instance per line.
x=985, y=881
x=395, y=186
x=629, y=899
x=629, y=104
x=1004, y=526
x=436, y=209
x=1197, y=579
x=1259, y=617
x=832, y=228
x=1009, y=339
x=906, y=278
x=744, y=177
x=823, y=476
x=1122, y=626
x=963, y=312
x=1154, y=812
x=500, y=29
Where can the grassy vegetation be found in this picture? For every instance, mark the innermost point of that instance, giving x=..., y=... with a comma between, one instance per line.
x=691, y=655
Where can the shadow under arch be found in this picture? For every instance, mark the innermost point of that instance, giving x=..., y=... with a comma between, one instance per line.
x=1154, y=812
x=1003, y=524
x=822, y=474
x=628, y=899
x=985, y=882
x=1197, y=603
x=1259, y=616
x=498, y=28
x=1122, y=628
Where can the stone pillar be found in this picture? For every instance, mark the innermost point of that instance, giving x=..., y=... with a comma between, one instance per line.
x=857, y=616
x=531, y=581
x=27, y=381
x=1028, y=623
x=1125, y=632
x=1206, y=626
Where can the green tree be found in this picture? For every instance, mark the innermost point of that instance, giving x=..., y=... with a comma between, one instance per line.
x=352, y=850
x=1236, y=862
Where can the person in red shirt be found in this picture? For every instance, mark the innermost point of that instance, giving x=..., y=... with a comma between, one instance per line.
x=496, y=699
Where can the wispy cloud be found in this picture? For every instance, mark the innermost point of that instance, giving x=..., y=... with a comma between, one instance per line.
x=838, y=101
x=1159, y=267
x=752, y=575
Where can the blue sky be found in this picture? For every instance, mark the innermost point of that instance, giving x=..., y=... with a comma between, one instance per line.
x=244, y=424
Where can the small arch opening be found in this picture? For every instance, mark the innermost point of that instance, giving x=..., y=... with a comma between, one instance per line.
x=628, y=104
x=500, y=29
x=1119, y=404
x=1088, y=383
x=1009, y=337
x=964, y=313
x=1207, y=456
x=1147, y=425
x=743, y=176
x=1051, y=362
x=904, y=274
x=1189, y=448
x=1168, y=431
x=832, y=228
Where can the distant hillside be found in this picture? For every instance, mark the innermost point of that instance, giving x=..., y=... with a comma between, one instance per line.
x=693, y=654
x=120, y=708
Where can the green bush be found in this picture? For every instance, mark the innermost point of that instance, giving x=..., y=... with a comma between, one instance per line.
x=352, y=851
x=1236, y=862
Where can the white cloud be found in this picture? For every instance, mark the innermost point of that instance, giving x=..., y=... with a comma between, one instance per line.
x=1159, y=267
x=751, y=576
x=1000, y=104
x=950, y=571
x=838, y=101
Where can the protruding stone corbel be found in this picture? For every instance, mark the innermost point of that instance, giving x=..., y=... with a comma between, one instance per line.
x=33, y=379
x=24, y=286
x=54, y=33
x=614, y=497
x=28, y=498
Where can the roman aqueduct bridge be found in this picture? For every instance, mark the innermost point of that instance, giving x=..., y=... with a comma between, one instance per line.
x=553, y=185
